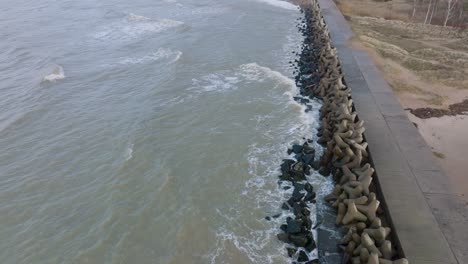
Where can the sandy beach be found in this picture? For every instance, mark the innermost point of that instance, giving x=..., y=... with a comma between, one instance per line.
x=446, y=137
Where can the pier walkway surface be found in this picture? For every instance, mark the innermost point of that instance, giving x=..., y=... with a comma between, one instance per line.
x=429, y=217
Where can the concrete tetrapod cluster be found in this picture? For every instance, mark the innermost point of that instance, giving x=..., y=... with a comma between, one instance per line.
x=346, y=156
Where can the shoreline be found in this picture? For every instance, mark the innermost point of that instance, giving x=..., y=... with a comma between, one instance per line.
x=358, y=206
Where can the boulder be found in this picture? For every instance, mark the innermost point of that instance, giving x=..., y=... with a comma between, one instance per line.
x=311, y=245
x=291, y=251
x=283, y=237
x=324, y=171
x=293, y=226
x=309, y=196
x=286, y=165
x=308, y=159
x=307, y=149
x=298, y=240
x=297, y=149
x=297, y=195
x=302, y=257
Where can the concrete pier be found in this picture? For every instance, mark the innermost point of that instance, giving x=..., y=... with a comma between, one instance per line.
x=429, y=218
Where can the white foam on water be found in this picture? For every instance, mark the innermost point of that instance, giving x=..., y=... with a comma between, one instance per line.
x=161, y=54
x=219, y=82
x=137, y=18
x=134, y=26
x=209, y=11
x=129, y=152
x=224, y=81
x=264, y=160
x=281, y=4
x=248, y=247
x=57, y=74
x=255, y=72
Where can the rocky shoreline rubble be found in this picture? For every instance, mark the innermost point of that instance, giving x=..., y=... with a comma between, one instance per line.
x=369, y=238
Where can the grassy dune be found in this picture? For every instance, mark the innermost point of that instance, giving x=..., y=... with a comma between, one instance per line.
x=426, y=65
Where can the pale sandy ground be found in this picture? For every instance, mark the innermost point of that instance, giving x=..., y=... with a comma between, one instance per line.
x=445, y=135
x=448, y=135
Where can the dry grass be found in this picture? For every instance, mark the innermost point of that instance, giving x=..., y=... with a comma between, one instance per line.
x=391, y=10
x=424, y=64
x=430, y=98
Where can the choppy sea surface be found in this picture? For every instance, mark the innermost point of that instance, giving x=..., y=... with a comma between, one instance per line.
x=146, y=131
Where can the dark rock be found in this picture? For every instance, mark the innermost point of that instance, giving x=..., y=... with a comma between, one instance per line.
x=307, y=149
x=297, y=209
x=276, y=215
x=310, y=246
x=308, y=158
x=285, y=206
x=297, y=149
x=299, y=186
x=284, y=227
x=267, y=218
x=293, y=226
x=322, y=141
x=286, y=176
x=316, y=165
x=308, y=223
x=302, y=257
x=309, y=196
x=308, y=187
x=307, y=169
x=298, y=167
x=296, y=176
x=314, y=261
x=305, y=211
x=283, y=237
x=324, y=171
x=299, y=157
x=298, y=240
x=291, y=251
x=303, y=204
x=286, y=165
x=286, y=188
x=297, y=195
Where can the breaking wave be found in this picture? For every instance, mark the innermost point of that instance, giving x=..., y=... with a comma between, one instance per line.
x=57, y=74
x=224, y=81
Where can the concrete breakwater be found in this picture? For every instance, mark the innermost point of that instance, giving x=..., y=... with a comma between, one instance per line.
x=369, y=237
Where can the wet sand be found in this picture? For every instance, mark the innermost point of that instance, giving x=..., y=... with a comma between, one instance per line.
x=446, y=135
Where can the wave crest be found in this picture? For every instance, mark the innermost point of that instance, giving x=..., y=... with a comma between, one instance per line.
x=57, y=74
x=161, y=54
x=224, y=81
